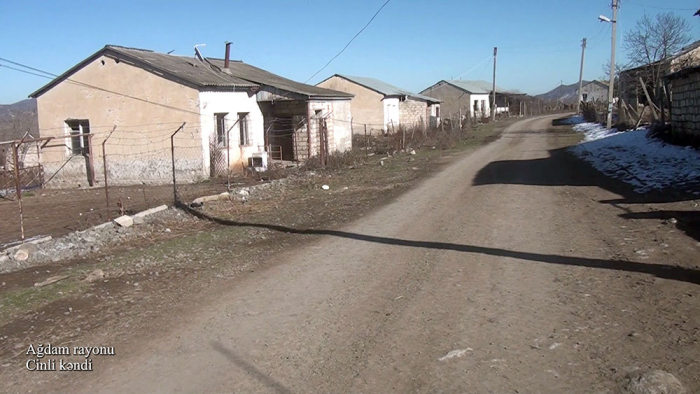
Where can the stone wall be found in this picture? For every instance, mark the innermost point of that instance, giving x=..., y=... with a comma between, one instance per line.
x=685, y=107
x=412, y=112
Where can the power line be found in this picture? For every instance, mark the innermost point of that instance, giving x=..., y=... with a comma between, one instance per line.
x=349, y=42
x=472, y=69
x=51, y=76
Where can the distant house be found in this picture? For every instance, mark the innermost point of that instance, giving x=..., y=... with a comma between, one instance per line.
x=470, y=98
x=594, y=91
x=382, y=106
x=233, y=113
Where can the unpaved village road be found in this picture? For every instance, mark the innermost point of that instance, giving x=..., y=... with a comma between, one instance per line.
x=499, y=274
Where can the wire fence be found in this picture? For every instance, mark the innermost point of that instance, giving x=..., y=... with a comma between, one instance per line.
x=90, y=175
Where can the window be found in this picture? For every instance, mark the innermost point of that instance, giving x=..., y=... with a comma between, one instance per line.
x=437, y=112
x=221, y=137
x=79, y=144
x=585, y=96
x=243, y=127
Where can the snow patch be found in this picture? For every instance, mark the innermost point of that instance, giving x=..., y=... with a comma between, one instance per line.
x=645, y=163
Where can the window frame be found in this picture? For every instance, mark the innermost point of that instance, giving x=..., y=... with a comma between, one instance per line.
x=221, y=130
x=78, y=143
x=243, y=129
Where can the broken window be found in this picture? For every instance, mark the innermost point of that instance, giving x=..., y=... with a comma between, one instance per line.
x=79, y=128
x=243, y=128
x=221, y=137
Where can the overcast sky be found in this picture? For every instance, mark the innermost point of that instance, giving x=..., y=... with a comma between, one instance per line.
x=411, y=44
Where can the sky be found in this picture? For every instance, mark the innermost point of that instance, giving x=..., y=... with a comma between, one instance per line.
x=411, y=44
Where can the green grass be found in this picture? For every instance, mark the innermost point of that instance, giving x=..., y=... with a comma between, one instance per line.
x=32, y=298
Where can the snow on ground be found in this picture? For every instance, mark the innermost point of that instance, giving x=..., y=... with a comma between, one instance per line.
x=594, y=131
x=647, y=164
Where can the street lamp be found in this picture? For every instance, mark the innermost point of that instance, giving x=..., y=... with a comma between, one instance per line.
x=604, y=18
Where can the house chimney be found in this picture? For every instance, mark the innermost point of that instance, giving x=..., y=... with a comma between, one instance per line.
x=228, y=54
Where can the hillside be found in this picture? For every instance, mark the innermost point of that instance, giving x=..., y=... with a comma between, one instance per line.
x=17, y=118
x=562, y=93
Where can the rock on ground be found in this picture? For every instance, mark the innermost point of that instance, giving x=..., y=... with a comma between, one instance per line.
x=653, y=382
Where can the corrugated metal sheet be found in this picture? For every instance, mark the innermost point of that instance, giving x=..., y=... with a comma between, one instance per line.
x=184, y=67
x=203, y=75
x=262, y=77
x=384, y=88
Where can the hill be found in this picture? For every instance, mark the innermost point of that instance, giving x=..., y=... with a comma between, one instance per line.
x=17, y=118
x=562, y=93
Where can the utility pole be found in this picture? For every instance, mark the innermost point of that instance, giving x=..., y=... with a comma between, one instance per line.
x=612, y=64
x=580, y=76
x=493, y=107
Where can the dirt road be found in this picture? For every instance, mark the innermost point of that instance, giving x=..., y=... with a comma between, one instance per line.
x=504, y=273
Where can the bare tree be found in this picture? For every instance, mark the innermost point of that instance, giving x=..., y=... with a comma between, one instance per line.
x=651, y=43
x=655, y=39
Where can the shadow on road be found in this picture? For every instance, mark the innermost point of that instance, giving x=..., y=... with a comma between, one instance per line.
x=686, y=221
x=659, y=270
x=561, y=168
x=250, y=369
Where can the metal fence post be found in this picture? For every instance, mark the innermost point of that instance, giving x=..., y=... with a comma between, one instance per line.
x=104, y=162
x=172, y=153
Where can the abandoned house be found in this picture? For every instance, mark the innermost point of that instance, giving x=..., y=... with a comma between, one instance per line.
x=470, y=98
x=380, y=106
x=227, y=114
x=633, y=81
x=594, y=92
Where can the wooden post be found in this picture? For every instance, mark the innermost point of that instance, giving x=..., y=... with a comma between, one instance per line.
x=651, y=103
x=366, y=138
x=18, y=185
x=91, y=162
x=308, y=128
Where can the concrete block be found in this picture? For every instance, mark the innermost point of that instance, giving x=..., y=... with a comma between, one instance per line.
x=138, y=219
x=214, y=197
x=103, y=225
x=124, y=221
x=151, y=211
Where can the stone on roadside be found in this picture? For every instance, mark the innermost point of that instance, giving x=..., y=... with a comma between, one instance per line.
x=124, y=221
x=653, y=382
x=24, y=251
x=95, y=275
x=412, y=152
x=138, y=219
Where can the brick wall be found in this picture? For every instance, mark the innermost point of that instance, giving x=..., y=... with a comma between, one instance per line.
x=685, y=107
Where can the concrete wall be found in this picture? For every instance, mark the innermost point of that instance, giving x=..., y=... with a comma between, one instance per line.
x=145, y=108
x=685, y=108
x=367, y=105
x=232, y=103
x=342, y=133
